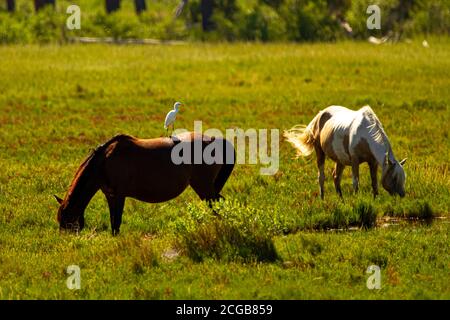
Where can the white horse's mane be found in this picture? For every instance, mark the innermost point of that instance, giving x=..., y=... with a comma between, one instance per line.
x=375, y=128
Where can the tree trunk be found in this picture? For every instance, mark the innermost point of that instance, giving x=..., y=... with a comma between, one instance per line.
x=140, y=6
x=398, y=16
x=39, y=4
x=206, y=7
x=112, y=5
x=11, y=5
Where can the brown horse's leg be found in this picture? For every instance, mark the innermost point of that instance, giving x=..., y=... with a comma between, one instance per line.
x=373, y=175
x=116, y=204
x=208, y=186
x=206, y=191
x=222, y=177
x=337, y=176
x=210, y=201
x=321, y=165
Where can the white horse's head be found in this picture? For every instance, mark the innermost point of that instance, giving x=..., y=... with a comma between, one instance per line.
x=393, y=176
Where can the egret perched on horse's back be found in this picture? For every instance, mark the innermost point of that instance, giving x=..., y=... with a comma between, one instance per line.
x=171, y=116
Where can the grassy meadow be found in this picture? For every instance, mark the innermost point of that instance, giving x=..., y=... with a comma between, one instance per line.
x=273, y=238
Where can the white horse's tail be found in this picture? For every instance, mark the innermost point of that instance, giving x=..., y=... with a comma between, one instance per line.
x=302, y=137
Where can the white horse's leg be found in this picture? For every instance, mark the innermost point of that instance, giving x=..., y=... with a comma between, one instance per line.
x=355, y=173
x=373, y=175
x=337, y=176
x=321, y=165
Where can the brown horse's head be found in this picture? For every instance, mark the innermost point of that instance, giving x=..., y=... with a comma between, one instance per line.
x=83, y=187
x=393, y=176
x=69, y=217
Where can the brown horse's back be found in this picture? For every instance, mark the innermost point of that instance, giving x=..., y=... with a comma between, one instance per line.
x=143, y=169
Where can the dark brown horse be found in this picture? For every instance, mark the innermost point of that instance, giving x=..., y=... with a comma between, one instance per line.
x=148, y=170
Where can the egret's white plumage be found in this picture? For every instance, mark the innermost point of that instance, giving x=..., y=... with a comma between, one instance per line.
x=171, y=116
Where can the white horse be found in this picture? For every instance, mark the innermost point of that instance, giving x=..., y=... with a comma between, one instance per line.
x=349, y=138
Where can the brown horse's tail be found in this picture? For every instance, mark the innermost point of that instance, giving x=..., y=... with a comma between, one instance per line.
x=227, y=166
x=302, y=137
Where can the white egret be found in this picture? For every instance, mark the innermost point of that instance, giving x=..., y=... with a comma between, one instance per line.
x=171, y=116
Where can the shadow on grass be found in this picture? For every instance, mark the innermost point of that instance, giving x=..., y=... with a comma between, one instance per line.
x=339, y=216
x=417, y=211
x=220, y=240
x=235, y=232
x=232, y=233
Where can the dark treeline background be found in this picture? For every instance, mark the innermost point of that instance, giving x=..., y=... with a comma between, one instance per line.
x=25, y=21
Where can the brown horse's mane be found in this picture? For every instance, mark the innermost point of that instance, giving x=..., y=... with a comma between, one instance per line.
x=93, y=159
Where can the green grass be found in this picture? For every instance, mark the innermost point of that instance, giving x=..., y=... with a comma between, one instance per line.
x=273, y=237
